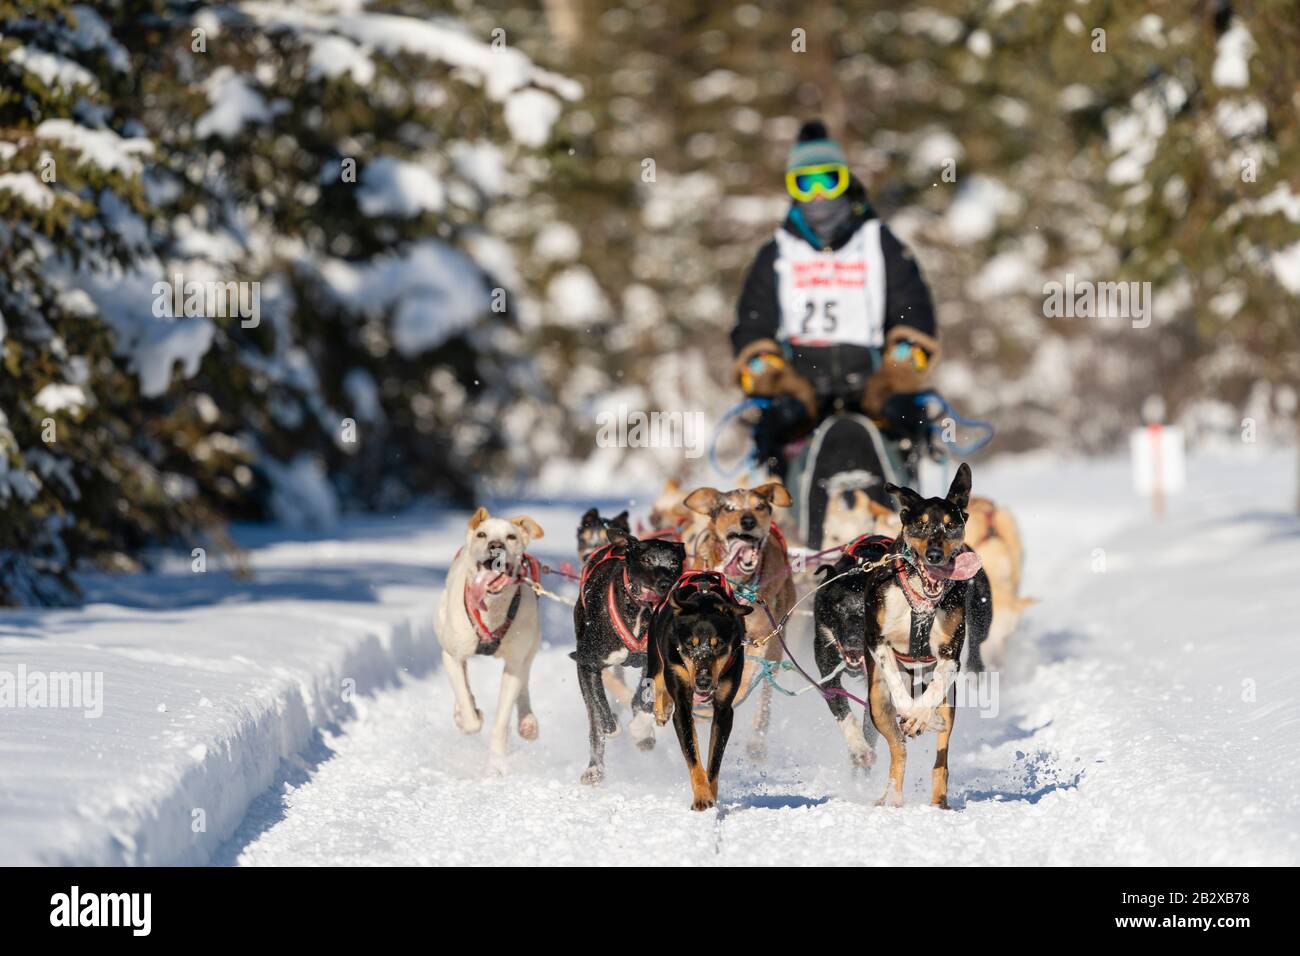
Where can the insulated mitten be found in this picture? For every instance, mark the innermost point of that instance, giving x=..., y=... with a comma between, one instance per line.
x=909, y=355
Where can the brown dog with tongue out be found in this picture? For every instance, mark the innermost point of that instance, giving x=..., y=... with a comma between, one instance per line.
x=745, y=544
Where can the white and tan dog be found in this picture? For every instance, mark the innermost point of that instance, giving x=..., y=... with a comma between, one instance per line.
x=488, y=607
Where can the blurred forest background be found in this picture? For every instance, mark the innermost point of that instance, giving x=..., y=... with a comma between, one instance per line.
x=475, y=225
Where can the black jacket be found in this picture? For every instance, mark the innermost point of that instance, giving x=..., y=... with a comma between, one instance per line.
x=837, y=371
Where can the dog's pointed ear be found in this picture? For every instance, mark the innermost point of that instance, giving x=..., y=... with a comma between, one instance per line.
x=531, y=527
x=741, y=610
x=478, y=518
x=959, y=490
x=620, y=521
x=908, y=500
x=704, y=501
x=672, y=485
x=679, y=548
x=776, y=493
x=591, y=516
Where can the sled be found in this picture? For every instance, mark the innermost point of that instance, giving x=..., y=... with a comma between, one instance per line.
x=846, y=451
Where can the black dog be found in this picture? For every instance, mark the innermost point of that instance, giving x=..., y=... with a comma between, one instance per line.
x=907, y=604
x=839, y=645
x=697, y=658
x=622, y=584
x=593, y=531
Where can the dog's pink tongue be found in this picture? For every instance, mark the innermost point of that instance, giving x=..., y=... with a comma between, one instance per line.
x=741, y=551
x=965, y=565
x=484, y=582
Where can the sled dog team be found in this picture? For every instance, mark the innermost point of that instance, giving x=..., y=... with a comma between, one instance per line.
x=695, y=602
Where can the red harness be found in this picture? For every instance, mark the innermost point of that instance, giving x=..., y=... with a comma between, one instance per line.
x=636, y=643
x=868, y=542
x=489, y=638
x=714, y=578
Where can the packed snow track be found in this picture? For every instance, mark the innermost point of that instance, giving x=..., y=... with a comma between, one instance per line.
x=1146, y=716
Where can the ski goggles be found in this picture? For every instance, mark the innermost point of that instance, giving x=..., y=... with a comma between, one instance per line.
x=807, y=182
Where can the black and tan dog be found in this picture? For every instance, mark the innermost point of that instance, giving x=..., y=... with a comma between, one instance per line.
x=907, y=605
x=593, y=531
x=622, y=584
x=696, y=659
x=743, y=542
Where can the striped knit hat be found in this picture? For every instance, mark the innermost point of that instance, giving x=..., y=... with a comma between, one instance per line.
x=814, y=147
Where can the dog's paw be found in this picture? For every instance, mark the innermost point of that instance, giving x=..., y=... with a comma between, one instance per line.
x=890, y=798
x=642, y=729
x=663, y=710
x=703, y=803
x=472, y=726
x=864, y=758
x=528, y=729
x=918, y=721
x=592, y=775
x=611, y=727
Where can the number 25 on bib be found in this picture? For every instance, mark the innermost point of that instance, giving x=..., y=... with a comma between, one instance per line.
x=832, y=298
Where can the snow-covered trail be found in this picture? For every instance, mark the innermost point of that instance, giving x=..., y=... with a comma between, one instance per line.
x=1147, y=716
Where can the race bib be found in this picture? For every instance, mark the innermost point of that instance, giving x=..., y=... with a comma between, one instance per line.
x=832, y=298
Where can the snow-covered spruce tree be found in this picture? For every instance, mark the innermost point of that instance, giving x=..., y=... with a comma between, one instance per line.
x=87, y=465
x=346, y=160
x=1203, y=162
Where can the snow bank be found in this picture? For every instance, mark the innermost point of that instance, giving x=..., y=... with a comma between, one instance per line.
x=207, y=682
